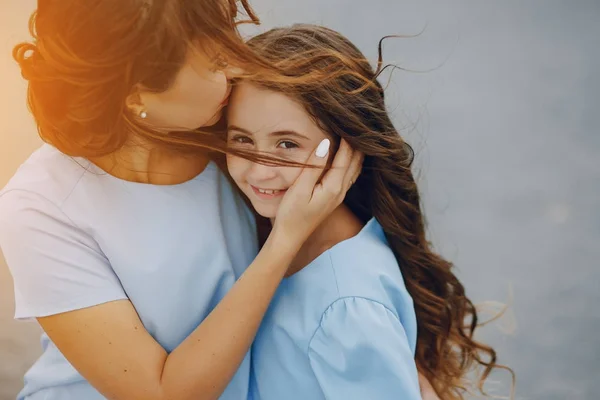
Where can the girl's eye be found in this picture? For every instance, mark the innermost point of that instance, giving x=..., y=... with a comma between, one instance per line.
x=286, y=144
x=241, y=140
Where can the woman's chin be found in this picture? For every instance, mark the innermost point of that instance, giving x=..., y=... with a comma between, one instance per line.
x=214, y=119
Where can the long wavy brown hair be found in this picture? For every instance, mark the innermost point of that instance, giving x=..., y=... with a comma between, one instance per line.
x=86, y=57
x=351, y=106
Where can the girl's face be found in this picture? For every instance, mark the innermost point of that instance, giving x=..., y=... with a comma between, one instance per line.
x=195, y=99
x=268, y=122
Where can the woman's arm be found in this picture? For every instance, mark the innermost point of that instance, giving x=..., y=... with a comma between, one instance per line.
x=109, y=346
x=427, y=390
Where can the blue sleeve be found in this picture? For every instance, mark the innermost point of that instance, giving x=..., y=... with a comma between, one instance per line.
x=361, y=351
x=56, y=267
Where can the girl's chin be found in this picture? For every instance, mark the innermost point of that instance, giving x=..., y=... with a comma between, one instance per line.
x=263, y=212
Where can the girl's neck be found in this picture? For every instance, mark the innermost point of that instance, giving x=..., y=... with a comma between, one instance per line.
x=144, y=162
x=342, y=224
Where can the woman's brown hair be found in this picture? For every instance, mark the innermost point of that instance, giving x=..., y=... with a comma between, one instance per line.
x=87, y=57
x=351, y=106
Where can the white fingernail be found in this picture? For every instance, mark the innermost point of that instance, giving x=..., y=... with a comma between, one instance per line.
x=322, y=148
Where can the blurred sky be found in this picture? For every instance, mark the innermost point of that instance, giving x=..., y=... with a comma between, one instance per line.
x=506, y=131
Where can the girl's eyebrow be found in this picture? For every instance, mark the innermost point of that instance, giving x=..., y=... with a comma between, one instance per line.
x=286, y=132
x=237, y=128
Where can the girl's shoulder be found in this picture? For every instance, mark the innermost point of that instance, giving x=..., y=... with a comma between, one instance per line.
x=365, y=266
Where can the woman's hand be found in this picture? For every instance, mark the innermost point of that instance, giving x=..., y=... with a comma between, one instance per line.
x=310, y=200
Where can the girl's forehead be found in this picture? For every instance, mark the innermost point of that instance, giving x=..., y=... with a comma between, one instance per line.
x=258, y=109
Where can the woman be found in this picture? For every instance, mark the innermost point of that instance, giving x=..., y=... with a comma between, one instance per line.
x=365, y=293
x=124, y=240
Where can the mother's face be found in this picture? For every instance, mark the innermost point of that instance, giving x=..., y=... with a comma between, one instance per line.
x=195, y=98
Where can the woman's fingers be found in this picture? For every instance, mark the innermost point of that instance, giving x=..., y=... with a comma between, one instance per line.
x=334, y=181
x=345, y=169
x=354, y=169
x=309, y=177
x=308, y=202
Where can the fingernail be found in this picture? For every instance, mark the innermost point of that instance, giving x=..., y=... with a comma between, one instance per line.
x=322, y=148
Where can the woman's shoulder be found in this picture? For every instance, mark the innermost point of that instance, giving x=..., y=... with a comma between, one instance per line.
x=47, y=175
x=32, y=202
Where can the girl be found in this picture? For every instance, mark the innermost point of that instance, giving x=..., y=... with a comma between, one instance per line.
x=365, y=293
x=124, y=240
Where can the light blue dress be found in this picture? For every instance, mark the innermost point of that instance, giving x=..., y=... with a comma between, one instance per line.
x=344, y=327
x=74, y=237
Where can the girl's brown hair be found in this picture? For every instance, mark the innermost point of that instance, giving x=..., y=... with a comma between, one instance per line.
x=351, y=106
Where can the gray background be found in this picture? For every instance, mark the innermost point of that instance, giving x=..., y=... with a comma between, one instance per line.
x=506, y=131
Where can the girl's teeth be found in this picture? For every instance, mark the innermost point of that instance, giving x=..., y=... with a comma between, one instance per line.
x=265, y=191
